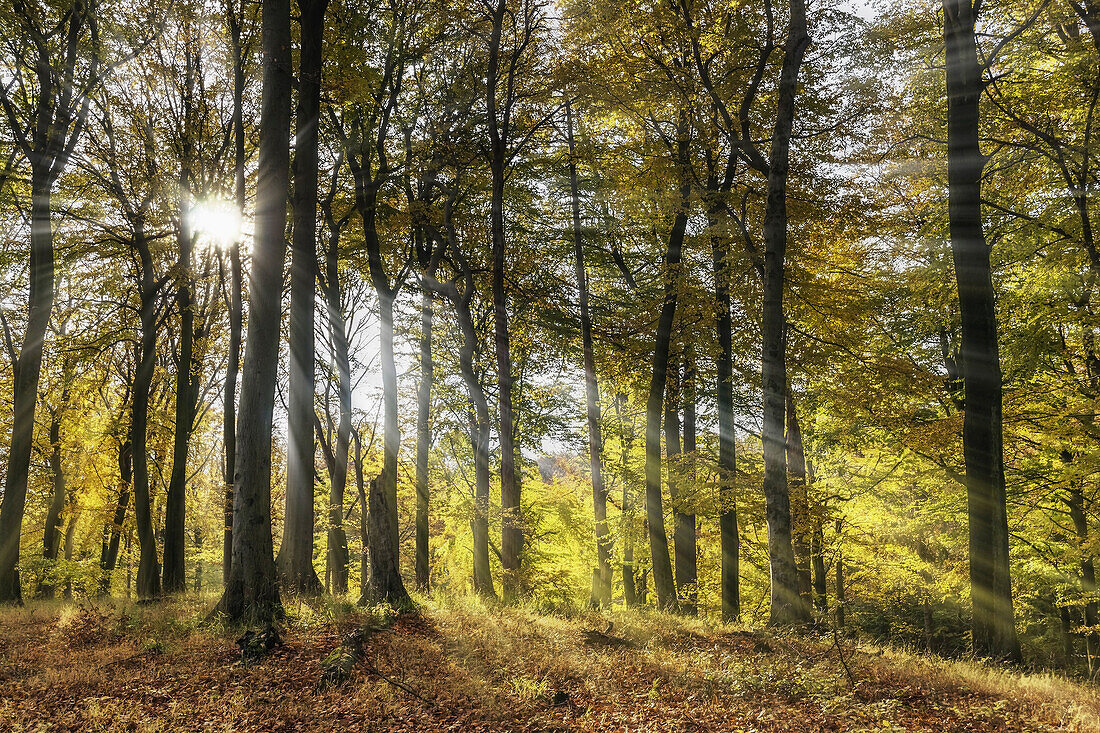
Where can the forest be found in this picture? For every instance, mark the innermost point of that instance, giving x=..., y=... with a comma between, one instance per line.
x=549, y=365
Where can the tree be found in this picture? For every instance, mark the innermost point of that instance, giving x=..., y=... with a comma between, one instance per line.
x=786, y=604
x=602, y=593
x=252, y=593
x=994, y=630
x=512, y=32
x=363, y=129
x=295, y=559
x=46, y=108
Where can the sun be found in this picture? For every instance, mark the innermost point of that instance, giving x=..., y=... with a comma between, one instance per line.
x=216, y=222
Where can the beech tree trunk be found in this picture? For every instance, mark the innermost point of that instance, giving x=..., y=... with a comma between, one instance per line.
x=385, y=584
x=601, y=592
x=685, y=535
x=993, y=629
x=479, y=408
x=786, y=606
x=727, y=450
x=52, y=534
x=511, y=545
x=27, y=370
x=1087, y=567
x=51, y=540
x=338, y=558
x=236, y=286
x=626, y=440
x=658, y=542
x=148, y=575
x=252, y=592
x=800, y=505
x=187, y=380
x=108, y=556
x=423, y=439
x=64, y=77
x=70, y=533
x=295, y=561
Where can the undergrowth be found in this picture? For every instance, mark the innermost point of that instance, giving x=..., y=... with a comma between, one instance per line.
x=464, y=663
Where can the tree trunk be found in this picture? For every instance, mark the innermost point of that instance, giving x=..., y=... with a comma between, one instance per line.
x=800, y=501
x=479, y=407
x=364, y=517
x=51, y=540
x=148, y=575
x=295, y=561
x=727, y=447
x=626, y=441
x=994, y=630
x=658, y=542
x=601, y=592
x=338, y=476
x=236, y=286
x=423, y=438
x=685, y=535
x=1076, y=505
x=787, y=606
x=70, y=534
x=839, y=577
x=252, y=592
x=1069, y=653
x=817, y=558
x=187, y=385
x=109, y=554
x=673, y=459
x=27, y=370
x=511, y=545
x=385, y=571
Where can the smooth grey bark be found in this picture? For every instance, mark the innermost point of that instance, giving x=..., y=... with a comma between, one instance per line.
x=839, y=577
x=817, y=559
x=660, y=559
x=798, y=486
x=626, y=442
x=384, y=583
x=479, y=403
x=499, y=122
x=364, y=518
x=786, y=605
x=148, y=575
x=252, y=591
x=51, y=539
x=673, y=456
x=601, y=591
x=234, y=20
x=684, y=534
x=423, y=432
x=337, y=559
x=187, y=362
x=46, y=136
x=295, y=560
x=730, y=585
x=993, y=627
x=70, y=534
x=112, y=533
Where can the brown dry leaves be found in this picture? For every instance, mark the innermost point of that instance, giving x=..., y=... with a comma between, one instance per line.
x=96, y=668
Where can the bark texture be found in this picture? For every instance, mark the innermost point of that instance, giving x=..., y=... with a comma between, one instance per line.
x=993, y=627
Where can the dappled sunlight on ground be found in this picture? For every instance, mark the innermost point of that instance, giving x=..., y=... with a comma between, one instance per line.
x=464, y=666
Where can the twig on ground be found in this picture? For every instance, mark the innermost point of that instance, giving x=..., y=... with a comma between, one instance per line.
x=843, y=662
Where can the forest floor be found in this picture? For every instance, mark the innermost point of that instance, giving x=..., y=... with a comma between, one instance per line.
x=459, y=666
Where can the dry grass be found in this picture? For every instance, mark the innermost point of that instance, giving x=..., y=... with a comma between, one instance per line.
x=468, y=667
